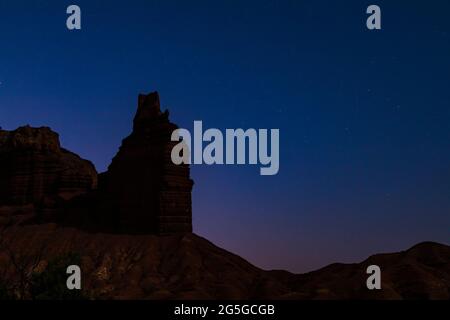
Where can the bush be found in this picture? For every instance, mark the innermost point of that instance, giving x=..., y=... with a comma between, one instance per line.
x=4, y=293
x=51, y=283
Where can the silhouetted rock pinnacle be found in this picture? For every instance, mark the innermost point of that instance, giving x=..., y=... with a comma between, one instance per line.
x=148, y=193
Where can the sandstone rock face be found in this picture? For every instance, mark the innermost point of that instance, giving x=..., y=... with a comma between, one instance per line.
x=35, y=169
x=145, y=191
x=142, y=192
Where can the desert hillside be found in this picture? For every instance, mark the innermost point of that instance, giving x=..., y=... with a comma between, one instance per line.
x=190, y=267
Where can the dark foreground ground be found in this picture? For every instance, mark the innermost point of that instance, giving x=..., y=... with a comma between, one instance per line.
x=191, y=267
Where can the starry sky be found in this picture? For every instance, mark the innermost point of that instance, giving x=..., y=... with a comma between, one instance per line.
x=364, y=116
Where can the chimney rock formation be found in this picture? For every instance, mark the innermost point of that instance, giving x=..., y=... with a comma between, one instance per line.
x=148, y=193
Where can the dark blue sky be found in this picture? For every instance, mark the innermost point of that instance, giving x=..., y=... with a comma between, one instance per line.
x=364, y=116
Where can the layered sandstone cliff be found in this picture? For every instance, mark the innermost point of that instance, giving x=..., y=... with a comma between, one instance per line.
x=36, y=172
x=142, y=191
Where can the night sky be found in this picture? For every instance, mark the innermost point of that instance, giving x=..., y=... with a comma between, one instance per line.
x=364, y=116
